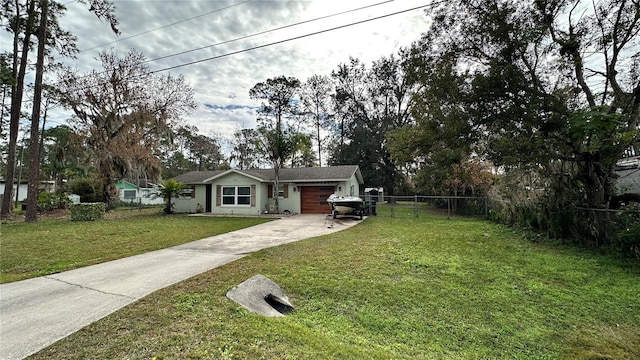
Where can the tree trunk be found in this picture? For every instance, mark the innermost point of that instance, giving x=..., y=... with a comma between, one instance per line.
x=16, y=104
x=34, y=144
x=599, y=190
x=319, y=145
x=276, y=188
x=107, y=191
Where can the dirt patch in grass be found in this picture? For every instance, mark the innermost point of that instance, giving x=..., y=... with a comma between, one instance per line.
x=610, y=341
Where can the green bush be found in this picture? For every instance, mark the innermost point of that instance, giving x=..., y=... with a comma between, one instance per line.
x=627, y=230
x=89, y=189
x=87, y=211
x=48, y=201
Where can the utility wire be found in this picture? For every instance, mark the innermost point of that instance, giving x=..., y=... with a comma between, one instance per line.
x=291, y=39
x=256, y=34
x=143, y=76
x=166, y=26
x=268, y=31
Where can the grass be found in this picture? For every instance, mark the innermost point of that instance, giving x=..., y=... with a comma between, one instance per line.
x=57, y=244
x=426, y=288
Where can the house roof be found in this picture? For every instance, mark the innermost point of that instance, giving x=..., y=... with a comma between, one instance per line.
x=197, y=177
x=310, y=174
x=130, y=184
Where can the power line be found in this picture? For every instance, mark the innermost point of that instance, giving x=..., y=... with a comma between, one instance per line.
x=270, y=30
x=140, y=77
x=166, y=26
x=248, y=36
x=292, y=38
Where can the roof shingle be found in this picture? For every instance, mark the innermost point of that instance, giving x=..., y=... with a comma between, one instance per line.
x=310, y=174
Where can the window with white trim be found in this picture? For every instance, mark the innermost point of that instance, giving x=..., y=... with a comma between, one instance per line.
x=236, y=196
x=129, y=194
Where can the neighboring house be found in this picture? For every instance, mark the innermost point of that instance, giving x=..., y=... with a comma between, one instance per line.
x=143, y=193
x=628, y=171
x=49, y=186
x=22, y=190
x=250, y=192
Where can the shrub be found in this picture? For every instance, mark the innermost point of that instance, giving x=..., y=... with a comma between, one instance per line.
x=48, y=201
x=89, y=189
x=627, y=230
x=87, y=211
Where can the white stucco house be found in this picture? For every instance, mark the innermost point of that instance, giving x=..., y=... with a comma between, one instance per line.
x=251, y=192
x=628, y=172
x=142, y=193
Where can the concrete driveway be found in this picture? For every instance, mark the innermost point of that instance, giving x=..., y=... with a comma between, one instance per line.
x=37, y=312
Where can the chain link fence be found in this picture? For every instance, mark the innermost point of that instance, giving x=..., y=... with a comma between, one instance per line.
x=419, y=206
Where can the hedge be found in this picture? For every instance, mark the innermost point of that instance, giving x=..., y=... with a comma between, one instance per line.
x=87, y=211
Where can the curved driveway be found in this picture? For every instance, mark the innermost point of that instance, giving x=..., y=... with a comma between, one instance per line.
x=37, y=312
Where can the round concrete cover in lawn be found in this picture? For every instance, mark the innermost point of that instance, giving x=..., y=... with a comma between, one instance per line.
x=261, y=295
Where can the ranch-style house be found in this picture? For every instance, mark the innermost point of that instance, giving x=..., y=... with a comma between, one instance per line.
x=252, y=192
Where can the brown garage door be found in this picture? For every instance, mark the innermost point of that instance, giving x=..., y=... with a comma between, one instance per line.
x=313, y=199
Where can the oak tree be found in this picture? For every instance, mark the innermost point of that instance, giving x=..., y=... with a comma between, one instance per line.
x=550, y=86
x=124, y=111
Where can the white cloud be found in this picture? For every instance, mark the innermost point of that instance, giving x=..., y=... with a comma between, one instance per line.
x=224, y=83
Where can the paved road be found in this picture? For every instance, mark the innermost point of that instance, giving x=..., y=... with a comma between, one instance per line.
x=35, y=313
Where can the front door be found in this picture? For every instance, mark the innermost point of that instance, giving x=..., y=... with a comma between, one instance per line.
x=208, y=198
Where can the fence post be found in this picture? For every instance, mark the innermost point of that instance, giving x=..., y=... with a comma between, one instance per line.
x=415, y=206
x=393, y=207
x=448, y=207
x=486, y=207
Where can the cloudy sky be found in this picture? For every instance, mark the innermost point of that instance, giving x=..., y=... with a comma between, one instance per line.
x=159, y=28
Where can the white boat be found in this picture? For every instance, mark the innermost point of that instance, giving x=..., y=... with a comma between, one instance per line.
x=346, y=205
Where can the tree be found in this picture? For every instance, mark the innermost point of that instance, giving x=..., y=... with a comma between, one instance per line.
x=123, y=112
x=369, y=103
x=542, y=86
x=22, y=22
x=205, y=152
x=349, y=96
x=34, y=144
x=19, y=26
x=440, y=137
x=316, y=104
x=277, y=104
x=244, y=151
x=170, y=189
x=6, y=81
x=63, y=155
x=302, y=153
x=186, y=150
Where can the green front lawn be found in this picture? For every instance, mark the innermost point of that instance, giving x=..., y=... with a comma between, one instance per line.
x=52, y=245
x=427, y=288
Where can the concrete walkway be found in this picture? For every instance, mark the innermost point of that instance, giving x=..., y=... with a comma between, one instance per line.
x=37, y=312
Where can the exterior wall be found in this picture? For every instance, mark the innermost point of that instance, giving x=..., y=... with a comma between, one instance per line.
x=141, y=195
x=291, y=203
x=628, y=181
x=147, y=198
x=348, y=188
x=22, y=191
x=188, y=204
x=260, y=195
x=234, y=179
